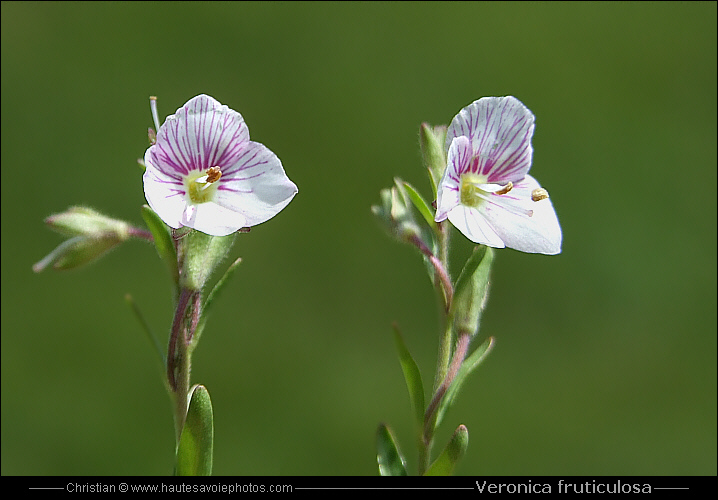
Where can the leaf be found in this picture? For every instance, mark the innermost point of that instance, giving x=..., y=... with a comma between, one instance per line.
x=212, y=296
x=146, y=327
x=452, y=453
x=388, y=456
x=467, y=272
x=163, y=241
x=194, y=453
x=469, y=364
x=420, y=205
x=471, y=292
x=412, y=376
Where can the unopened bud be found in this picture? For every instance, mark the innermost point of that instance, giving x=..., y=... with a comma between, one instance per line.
x=395, y=213
x=432, y=149
x=92, y=235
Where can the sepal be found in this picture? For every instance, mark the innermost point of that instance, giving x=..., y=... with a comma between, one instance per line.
x=201, y=254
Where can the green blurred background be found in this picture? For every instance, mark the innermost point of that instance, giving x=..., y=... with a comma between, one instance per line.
x=605, y=361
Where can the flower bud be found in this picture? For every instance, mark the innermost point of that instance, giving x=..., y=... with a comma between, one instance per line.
x=432, y=149
x=83, y=221
x=395, y=213
x=93, y=235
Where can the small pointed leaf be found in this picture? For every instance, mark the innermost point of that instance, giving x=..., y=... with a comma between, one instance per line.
x=388, y=456
x=194, y=453
x=163, y=241
x=146, y=327
x=469, y=364
x=212, y=296
x=455, y=449
x=420, y=205
x=412, y=376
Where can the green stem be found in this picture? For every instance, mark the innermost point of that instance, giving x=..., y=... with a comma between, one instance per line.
x=446, y=336
x=445, y=292
x=179, y=354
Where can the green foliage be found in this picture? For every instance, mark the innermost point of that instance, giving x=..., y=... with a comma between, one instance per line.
x=455, y=449
x=163, y=241
x=390, y=460
x=412, y=376
x=195, y=450
x=469, y=364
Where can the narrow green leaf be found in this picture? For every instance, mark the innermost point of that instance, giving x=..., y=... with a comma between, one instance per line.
x=421, y=205
x=212, y=296
x=146, y=327
x=388, y=456
x=469, y=364
x=450, y=456
x=163, y=241
x=412, y=376
x=194, y=453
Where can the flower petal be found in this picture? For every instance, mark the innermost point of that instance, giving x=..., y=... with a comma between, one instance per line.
x=256, y=185
x=165, y=193
x=538, y=233
x=474, y=226
x=212, y=219
x=201, y=134
x=500, y=131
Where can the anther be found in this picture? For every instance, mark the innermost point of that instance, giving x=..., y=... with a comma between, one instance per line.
x=213, y=174
x=539, y=194
x=508, y=187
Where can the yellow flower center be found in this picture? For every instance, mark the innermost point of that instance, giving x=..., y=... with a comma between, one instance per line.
x=202, y=186
x=471, y=194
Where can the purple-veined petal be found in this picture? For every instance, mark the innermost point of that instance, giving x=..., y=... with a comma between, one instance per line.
x=164, y=193
x=256, y=185
x=201, y=134
x=538, y=233
x=500, y=131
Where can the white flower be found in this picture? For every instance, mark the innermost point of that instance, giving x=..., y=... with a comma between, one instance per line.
x=205, y=173
x=486, y=191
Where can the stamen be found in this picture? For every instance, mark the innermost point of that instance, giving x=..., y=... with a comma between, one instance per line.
x=508, y=187
x=199, y=188
x=539, y=194
x=213, y=174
